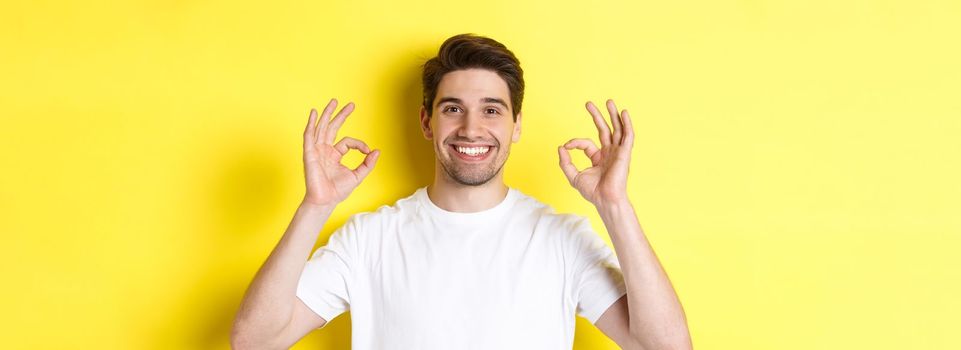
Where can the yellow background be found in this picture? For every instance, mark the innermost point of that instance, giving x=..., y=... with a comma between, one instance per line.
x=796, y=166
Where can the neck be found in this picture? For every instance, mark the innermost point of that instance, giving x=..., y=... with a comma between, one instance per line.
x=449, y=195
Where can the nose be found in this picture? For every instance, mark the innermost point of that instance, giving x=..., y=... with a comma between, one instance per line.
x=472, y=127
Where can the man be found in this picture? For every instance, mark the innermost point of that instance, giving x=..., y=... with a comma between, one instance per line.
x=466, y=262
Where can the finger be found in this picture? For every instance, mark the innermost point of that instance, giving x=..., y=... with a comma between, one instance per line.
x=570, y=171
x=337, y=122
x=325, y=118
x=347, y=143
x=603, y=132
x=615, y=122
x=587, y=145
x=628, y=129
x=311, y=124
x=367, y=165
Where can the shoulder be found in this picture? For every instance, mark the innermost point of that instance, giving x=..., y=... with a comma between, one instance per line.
x=548, y=217
x=361, y=228
x=385, y=214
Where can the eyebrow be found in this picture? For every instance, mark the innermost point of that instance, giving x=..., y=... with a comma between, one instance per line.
x=449, y=99
x=483, y=100
x=494, y=100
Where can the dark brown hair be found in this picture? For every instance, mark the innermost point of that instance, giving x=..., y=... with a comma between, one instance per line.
x=464, y=51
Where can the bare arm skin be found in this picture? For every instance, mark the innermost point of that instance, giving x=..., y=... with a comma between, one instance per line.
x=270, y=315
x=650, y=316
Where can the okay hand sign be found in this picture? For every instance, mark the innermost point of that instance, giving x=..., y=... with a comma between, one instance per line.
x=328, y=181
x=606, y=180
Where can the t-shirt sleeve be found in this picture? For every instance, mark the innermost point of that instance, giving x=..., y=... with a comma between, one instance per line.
x=324, y=284
x=598, y=281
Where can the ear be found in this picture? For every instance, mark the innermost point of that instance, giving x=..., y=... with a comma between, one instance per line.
x=517, y=129
x=425, y=124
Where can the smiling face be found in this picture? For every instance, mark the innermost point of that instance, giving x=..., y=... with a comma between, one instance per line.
x=472, y=125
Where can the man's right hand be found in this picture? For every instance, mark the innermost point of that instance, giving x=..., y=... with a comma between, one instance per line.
x=328, y=181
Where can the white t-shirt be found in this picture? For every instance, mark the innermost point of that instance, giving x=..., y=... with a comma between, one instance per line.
x=415, y=276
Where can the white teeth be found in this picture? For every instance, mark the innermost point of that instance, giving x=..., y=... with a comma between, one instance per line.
x=472, y=151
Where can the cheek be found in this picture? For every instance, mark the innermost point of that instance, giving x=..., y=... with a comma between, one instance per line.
x=441, y=133
x=441, y=136
x=507, y=133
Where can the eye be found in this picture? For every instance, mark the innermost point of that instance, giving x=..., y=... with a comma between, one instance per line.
x=451, y=109
x=493, y=110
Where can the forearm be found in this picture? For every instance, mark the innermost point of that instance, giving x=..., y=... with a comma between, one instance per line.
x=269, y=302
x=657, y=319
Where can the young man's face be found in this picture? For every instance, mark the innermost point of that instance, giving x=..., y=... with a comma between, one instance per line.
x=472, y=126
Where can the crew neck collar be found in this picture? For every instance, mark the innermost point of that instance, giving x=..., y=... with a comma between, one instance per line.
x=467, y=218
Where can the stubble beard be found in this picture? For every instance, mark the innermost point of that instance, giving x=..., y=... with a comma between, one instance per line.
x=472, y=175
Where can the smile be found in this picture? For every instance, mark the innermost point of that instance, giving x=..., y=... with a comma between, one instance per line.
x=472, y=153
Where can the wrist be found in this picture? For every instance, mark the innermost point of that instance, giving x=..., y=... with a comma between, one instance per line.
x=614, y=206
x=316, y=207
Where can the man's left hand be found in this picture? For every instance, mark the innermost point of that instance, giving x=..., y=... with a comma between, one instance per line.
x=605, y=182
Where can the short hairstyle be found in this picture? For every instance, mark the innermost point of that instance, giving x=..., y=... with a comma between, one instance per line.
x=465, y=51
